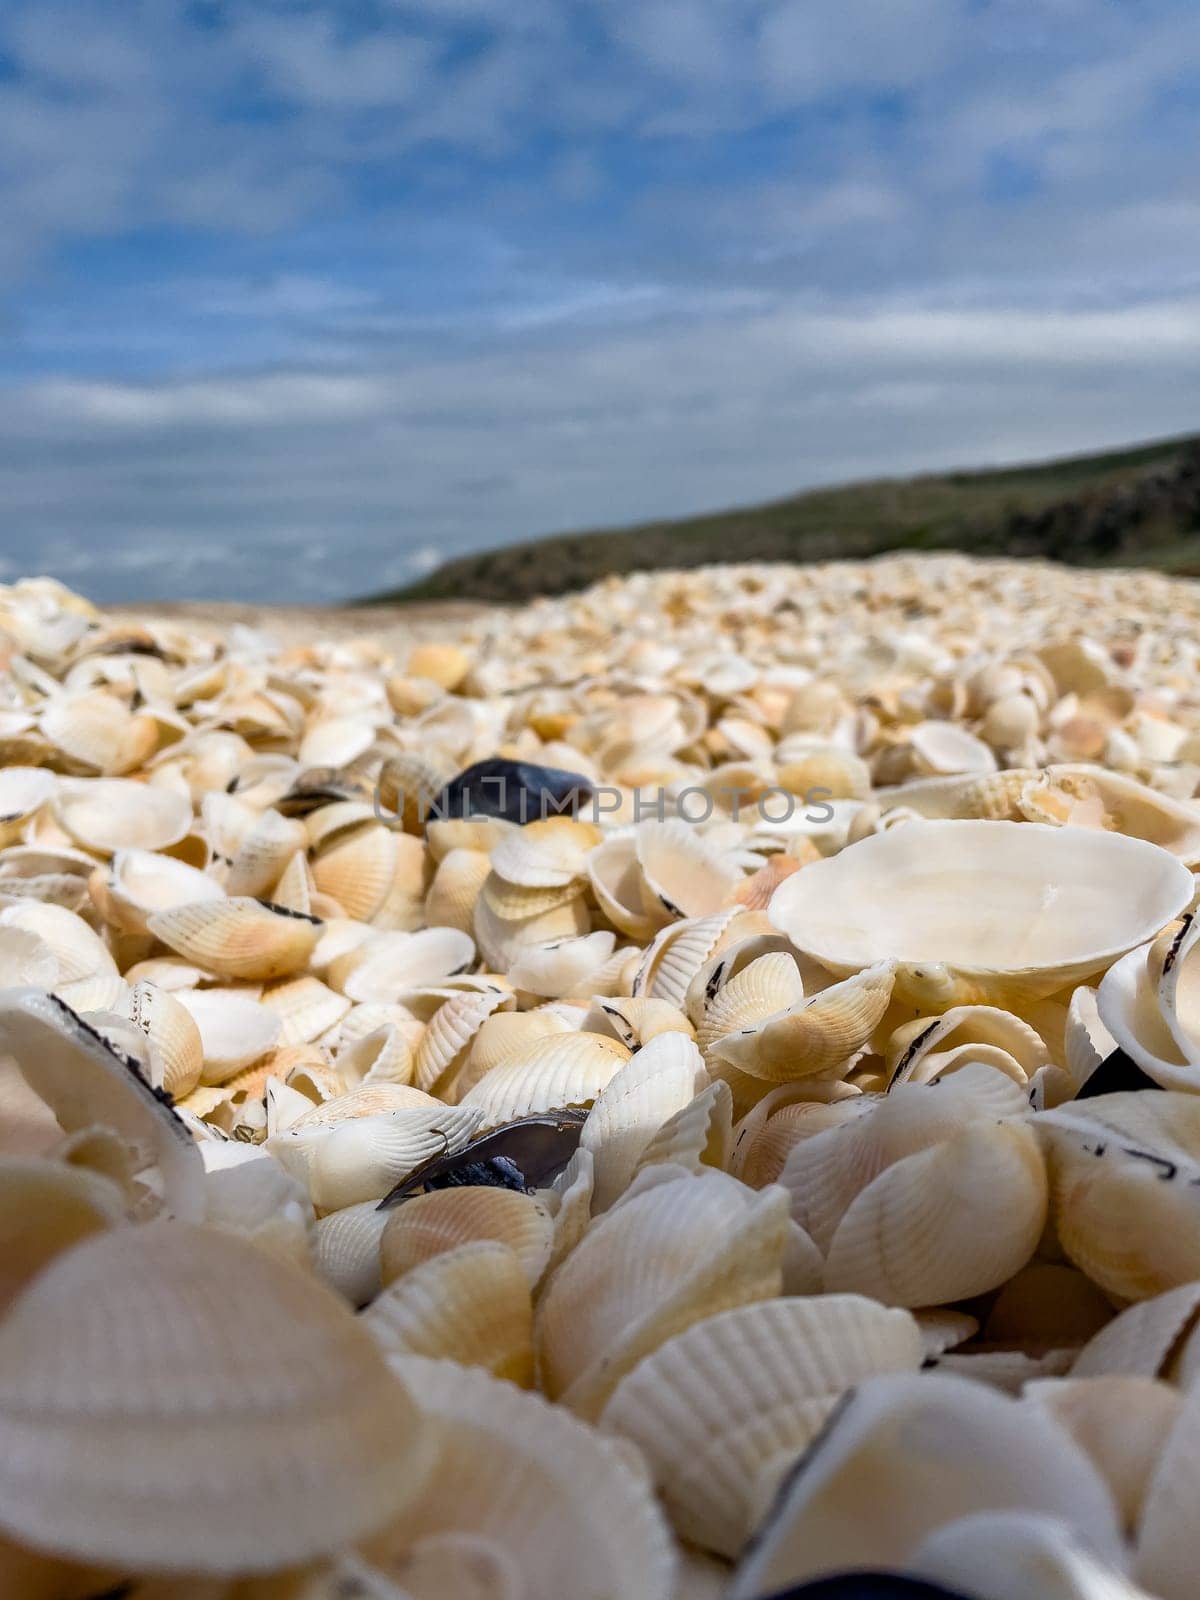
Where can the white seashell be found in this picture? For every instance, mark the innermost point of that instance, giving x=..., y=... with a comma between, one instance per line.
x=382, y=1056
x=345, y=1251
x=175, y=1471
x=1146, y=1003
x=714, y=1404
x=1086, y=1041
x=452, y=895
x=943, y=747
x=924, y=1049
x=247, y=1193
x=119, y=814
x=541, y=1491
x=385, y=965
x=361, y=1158
x=562, y=968
x=502, y=941
x=551, y=1074
x=234, y=1030
x=1152, y=1338
x=469, y=1304
x=698, y=1135
x=961, y=907
x=656, y=1082
x=78, y=949
x=1018, y=1554
x=449, y=1036
x=26, y=959
x=813, y=1036
x=1167, y=1546
x=142, y=882
x=306, y=1008
x=238, y=937
x=902, y=1445
x=569, y=1202
x=665, y=1257
x=680, y=950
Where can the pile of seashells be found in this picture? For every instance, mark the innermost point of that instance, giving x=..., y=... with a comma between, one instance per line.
x=756, y=1140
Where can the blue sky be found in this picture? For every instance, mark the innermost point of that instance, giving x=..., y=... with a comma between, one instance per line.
x=296, y=298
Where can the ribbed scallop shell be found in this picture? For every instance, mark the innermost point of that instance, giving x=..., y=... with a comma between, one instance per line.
x=470, y=1304
x=381, y=1056
x=920, y=1451
x=361, y=1158
x=698, y=1135
x=238, y=938
x=451, y=1032
x=429, y=1224
x=680, y=950
x=714, y=1404
x=665, y=1257
x=345, y=1251
x=550, y=853
x=163, y=1432
x=811, y=1037
x=263, y=850
x=635, y=1020
x=921, y=1050
x=542, y=1494
x=450, y=901
x=306, y=1008
x=505, y=1033
x=960, y=907
x=78, y=949
x=656, y=1082
x=562, y=1070
x=357, y=868
x=502, y=941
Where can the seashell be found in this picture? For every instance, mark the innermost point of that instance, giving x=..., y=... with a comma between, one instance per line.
x=263, y=850
x=248, y=1194
x=86, y=1083
x=530, y=1485
x=635, y=1020
x=452, y=895
x=335, y=741
x=446, y=1041
x=667, y=1256
x=1086, y=1040
x=914, y=895
x=45, y=1208
x=654, y=1083
x=78, y=950
x=121, y=814
x=715, y=1403
x=357, y=1158
x=552, y=1073
x=681, y=949
x=479, y=833
x=345, y=1252
x=1123, y=1424
x=810, y=1037
x=387, y=964
x=922, y=1050
x=294, y=889
x=1018, y=1554
x=698, y=1135
x=140, y=883
x=234, y=1030
x=502, y=941
x=943, y=748
x=1166, y=1548
x=237, y=937
x=359, y=867
x=894, y=1443
x=430, y=1224
x=444, y=663
x=382, y=1056
x=907, y=1239
x=23, y=793
x=1071, y=793
x=174, y=1471
x=549, y=854
x=1123, y=1170
x=367, y=1100
x=170, y=1028
x=469, y=1304
x=306, y=1008
x=94, y=731
x=1150, y=1339
x=1145, y=1003
x=564, y=967
x=26, y=959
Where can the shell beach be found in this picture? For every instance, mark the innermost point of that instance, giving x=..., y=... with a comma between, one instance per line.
x=685, y=1090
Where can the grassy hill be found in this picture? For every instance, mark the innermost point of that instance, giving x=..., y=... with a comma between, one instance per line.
x=1139, y=506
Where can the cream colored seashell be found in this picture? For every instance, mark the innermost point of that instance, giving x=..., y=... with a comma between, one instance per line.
x=528, y=1484
x=1122, y=1423
x=551, y=1074
x=698, y=1135
x=77, y=948
x=654, y=1083
x=119, y=813
x=234, y=1030
x=943, y=1329
x=45, y=1208
x=1150, y=1339
x=635, y=1020
x=1124, y=1172
x=335, y=741
x=448, y=1038
x=443, y=1219
x=382, y=1056
x=247, y=1193
x=505, y=1033
x=1086, y=1041
x=813, y=1036
x=664, y=1258
x=943, y=748
x=168, y=972
x=95, y=732
x=465, y=833
x=1167, y=1549
x=1097, y=797
x=360, y=1158
x=450, y=901
x=294, y=889
x=285, y=1104
x=569, y=1202
x=1018, y=1554
x=263, y=850
x=681, y=876
x=563, y=969
x=733, y=997
x=444, y=663
x=615, y=874
x=911, y=1238
x=1045, y=1305
x=503, y=941
x=176, y=1470
x=23, y=793
x=26, y=958
x=238, y=938
x=549, y=853
x=345, y=1251
x=368, y=1100
x=712, y=1405
x=961, y=907
x=142, y=882
x=469, y=1304
x=358, y=866
x=85, y=1084
x=766, y=1136
x=387, y=964
x=900, y=1444
x=1147, y=1003
x=922, y=1050
x=306, y=1008
x=170, y=1028
x=681, y=949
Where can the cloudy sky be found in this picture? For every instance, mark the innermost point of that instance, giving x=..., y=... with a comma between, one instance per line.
x=298, y=296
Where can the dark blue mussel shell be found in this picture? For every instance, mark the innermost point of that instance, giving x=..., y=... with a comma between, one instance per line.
x=523, y=1155
x=868, y=1586
x=517, y=791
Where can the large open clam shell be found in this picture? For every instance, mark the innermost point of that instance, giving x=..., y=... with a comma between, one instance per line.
x=990, y=912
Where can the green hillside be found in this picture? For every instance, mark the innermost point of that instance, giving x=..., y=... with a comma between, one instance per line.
x=1139, y=506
